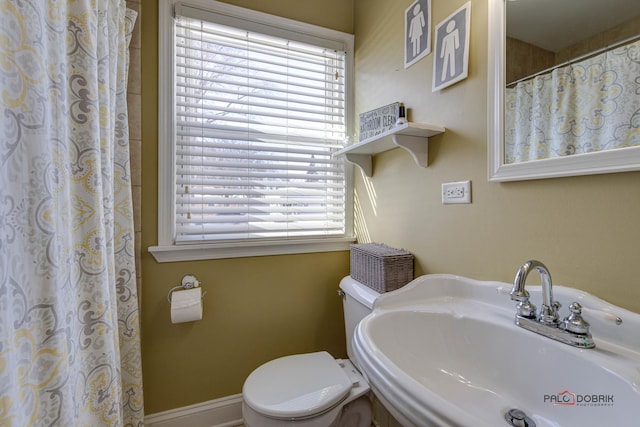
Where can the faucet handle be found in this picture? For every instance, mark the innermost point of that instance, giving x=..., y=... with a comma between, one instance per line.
x=574, y=322
x=526, y=309
x=520, y=295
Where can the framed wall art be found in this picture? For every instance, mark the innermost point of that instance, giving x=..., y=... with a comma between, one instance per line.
x=417, y=32
x=451, y=61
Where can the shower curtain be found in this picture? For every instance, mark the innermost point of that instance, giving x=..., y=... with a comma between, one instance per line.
x=588, y=106
x=69, y=326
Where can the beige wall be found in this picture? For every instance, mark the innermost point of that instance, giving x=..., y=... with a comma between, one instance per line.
x=255, y=309
x=586, y=229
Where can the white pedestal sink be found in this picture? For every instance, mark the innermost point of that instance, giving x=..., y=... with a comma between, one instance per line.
x=444, y=351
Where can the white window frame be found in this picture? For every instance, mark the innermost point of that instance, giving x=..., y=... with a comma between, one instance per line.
x=166, y=249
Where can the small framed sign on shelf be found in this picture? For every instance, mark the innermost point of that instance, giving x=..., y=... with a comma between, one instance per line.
x=377, y=121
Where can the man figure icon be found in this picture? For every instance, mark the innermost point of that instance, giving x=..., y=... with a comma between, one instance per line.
x=450, y=43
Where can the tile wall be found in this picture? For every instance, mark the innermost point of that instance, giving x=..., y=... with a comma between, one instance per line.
x=134, y=101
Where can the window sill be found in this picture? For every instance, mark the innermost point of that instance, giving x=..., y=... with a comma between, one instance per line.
x=206, y=251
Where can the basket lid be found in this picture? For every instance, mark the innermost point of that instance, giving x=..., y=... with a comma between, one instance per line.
x=379, y=249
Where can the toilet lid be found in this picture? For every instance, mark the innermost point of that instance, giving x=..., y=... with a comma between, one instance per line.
x=296, y=386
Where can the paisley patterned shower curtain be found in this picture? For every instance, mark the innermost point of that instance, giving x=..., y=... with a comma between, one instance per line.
x=592, y=105
x=69, y=326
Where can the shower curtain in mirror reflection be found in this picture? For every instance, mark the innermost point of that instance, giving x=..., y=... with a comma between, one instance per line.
x=69, y=327
x=588, y=106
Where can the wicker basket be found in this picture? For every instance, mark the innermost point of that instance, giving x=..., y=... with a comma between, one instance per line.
x=381, y=267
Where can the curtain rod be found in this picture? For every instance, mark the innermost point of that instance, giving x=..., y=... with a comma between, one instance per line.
x=579, y=58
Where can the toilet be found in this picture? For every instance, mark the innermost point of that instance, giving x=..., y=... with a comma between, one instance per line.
x=313, y=389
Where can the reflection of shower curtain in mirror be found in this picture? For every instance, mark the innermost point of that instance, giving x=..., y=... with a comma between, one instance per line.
x=588, y=106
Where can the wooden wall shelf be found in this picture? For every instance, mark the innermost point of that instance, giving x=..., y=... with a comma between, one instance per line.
x=413, y=137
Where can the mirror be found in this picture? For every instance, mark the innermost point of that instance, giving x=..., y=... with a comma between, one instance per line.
x=552, y=35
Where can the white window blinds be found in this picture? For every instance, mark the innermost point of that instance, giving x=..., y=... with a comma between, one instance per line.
x=257, y=120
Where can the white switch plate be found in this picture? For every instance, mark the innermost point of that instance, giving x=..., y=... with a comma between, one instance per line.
x=456, y=192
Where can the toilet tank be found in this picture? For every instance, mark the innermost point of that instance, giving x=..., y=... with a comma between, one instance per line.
x=357, y=302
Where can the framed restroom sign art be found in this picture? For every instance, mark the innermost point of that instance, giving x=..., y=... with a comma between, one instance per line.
x=417, y=32
x=451, y=52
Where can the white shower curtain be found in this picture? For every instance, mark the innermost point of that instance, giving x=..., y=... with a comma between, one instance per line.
x=588, y=106
x=69, y=326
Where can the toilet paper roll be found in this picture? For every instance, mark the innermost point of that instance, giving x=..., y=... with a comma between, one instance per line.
x=186, y=305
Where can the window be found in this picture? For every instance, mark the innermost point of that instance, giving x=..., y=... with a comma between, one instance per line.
x=252, y=108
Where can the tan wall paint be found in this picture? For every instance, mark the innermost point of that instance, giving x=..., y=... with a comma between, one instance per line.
x=586, y=229
x=255, y=309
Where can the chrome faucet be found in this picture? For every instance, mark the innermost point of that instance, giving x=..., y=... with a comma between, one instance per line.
x=549, y=309
x=573, y=330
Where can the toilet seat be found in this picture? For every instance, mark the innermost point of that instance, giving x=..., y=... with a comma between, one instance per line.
x=298, y=386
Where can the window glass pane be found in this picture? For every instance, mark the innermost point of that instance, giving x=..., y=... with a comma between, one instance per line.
x=257, y=121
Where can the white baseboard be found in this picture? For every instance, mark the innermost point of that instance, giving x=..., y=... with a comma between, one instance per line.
x=223, y=412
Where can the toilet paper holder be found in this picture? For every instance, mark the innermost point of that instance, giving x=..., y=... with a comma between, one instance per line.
x=189, y=281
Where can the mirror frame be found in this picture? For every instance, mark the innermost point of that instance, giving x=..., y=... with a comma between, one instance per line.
x=618, y=160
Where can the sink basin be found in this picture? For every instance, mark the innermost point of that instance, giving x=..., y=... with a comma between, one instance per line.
x=444, y=351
